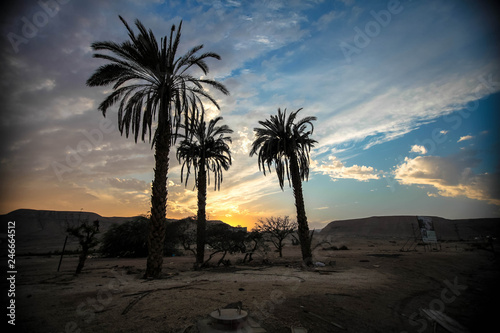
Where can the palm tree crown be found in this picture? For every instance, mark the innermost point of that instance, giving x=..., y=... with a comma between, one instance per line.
x=206, y=144
x=279, y=140
x=145, y=74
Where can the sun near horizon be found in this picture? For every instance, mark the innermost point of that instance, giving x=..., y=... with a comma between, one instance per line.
x=244, y=220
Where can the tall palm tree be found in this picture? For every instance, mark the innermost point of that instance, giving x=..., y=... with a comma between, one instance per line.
x=151, y=84
x=286, y=143
x=206, y=149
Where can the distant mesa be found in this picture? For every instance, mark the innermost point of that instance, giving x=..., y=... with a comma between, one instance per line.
x=404, y=226
x=41, y=231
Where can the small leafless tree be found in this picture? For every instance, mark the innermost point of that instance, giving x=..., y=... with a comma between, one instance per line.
x=223, y=239
x=85, y=232
x=278, y=228
x=187, y=235
x=254, y=241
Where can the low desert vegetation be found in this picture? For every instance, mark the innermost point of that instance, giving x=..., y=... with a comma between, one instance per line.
x=129, y=239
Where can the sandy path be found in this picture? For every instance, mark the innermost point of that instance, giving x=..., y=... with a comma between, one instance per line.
x=371, y=288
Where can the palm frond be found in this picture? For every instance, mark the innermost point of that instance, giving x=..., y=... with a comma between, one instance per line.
x=281, y=138
x=146, y=73
x=205, y=144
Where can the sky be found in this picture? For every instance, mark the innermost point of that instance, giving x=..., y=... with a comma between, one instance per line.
x=406, y=95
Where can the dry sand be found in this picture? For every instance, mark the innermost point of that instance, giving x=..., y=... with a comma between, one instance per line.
x=372, y=287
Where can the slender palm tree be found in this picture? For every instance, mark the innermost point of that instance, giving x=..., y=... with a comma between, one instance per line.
x=150, y=84
x=205, y=149
x=286, y=143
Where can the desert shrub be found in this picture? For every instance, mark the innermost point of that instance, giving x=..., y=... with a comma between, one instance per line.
x=254, y=242
x=130, y=239
x=185, y=234
x=334, y=248
x=172, y=232
x=222, y=239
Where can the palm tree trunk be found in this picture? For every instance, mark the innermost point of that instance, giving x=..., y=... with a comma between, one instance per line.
x=201, y=229
x=156, y=236
x=304, y=237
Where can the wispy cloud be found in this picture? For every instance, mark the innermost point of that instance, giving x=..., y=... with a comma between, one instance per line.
x=130, y=184
x=325, y=19
x=465, y=138
x=337, y=170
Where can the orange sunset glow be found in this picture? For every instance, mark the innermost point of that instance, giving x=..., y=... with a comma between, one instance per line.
x=399, y=130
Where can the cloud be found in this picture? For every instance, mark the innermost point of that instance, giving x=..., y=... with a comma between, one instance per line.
x=348, y=2
x=129, y=184
x=337, y=170
x=325, y=19
x=236, y=196
x=418, y=149
x=172, y=184
x=465, y=138
x=393, y=111
x=242, y=141
x=450, y=176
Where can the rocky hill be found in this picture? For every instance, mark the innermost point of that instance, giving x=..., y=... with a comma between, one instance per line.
x=42, y=231
x=405, y=226
x=45, y=230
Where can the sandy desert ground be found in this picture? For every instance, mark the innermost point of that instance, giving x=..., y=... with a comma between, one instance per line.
x=372, y=287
